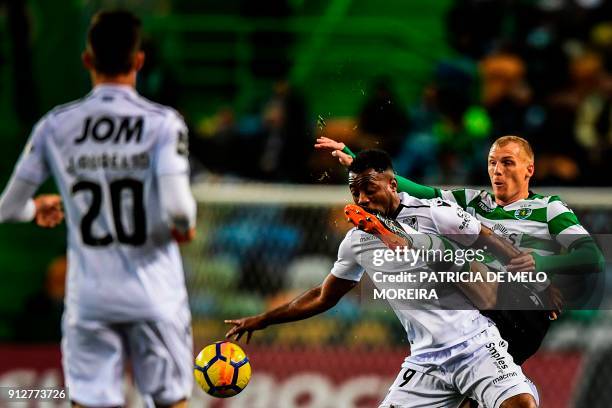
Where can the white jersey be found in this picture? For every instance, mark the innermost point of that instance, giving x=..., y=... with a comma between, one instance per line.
x=106, y=152
x=438, y=216
x=428, y=329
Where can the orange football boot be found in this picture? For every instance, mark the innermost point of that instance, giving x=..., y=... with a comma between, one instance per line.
x=388, y=230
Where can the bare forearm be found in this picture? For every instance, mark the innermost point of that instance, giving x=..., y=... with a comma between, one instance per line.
x=482, y=294
x=499, y=247
x=304, y=306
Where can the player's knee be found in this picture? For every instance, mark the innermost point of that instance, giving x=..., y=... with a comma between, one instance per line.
x=520, y=401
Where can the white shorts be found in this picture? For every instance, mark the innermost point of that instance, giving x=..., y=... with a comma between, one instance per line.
x=94, y=356
x=479, y=368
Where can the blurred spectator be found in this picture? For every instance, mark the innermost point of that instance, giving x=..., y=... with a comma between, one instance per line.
x=288, y=134
x=264, y=145
x=382, y=119
x=448, y=132
x=473, y=25
x=505, y=93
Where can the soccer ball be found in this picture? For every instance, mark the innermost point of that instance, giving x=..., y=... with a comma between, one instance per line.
x=222, y=369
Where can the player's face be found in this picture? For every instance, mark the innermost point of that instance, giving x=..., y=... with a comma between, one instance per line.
x=509, y=170
x=374, y=191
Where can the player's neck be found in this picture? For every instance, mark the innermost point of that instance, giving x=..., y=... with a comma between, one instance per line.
x=122, y=79
x=517, y=197
x=395, y=203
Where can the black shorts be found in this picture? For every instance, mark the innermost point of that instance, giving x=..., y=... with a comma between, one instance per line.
x=524, y=330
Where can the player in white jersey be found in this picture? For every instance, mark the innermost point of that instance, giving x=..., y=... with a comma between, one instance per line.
x=453, y=352
x=120, y=163
x=542, y=225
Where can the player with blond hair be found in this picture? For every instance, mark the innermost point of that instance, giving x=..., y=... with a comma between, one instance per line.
x=540, y=226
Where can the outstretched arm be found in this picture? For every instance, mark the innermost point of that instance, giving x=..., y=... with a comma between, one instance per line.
x=345, y=157
x=583, y=257
x=314, y=301
x=493, y=243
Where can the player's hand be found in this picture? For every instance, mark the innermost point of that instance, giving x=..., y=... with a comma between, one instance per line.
x=245, y=325
x=49, y=212
x=525, y=262
x=183, y=237
x=325, y=143
x=556, y=299
x=343, y=158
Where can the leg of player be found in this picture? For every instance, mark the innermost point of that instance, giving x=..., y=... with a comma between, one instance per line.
x=161, y=356
x=520, y=401
x=501, y=383
x=523, y=401
x=179, y=404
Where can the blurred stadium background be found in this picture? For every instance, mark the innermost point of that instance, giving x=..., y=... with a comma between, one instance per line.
x=433, y=82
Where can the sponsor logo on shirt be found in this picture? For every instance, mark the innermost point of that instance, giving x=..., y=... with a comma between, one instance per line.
x=501, y=230
x=464, y=217
x=366, y=238
x=112, y=129
x=484, y=207
x=498, y=358
x=504, y=377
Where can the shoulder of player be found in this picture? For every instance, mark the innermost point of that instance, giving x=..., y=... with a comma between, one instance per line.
x=355, y=237
x=464, y=197
x=352, y=232
x=46, y=123
x=408, y=201
x=552, y=201
x=157, y=108
x=67, y=107
x=555, y=206
x=58, y=112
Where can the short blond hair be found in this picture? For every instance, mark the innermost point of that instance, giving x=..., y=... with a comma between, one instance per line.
x=524, y=144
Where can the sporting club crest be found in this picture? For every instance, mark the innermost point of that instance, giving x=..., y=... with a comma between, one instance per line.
x=523, y=213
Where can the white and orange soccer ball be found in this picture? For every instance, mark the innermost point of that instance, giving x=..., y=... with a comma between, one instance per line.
x=222, y=369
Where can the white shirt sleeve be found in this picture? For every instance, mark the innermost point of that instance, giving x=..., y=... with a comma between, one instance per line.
x=16, y=202
x=32, y=165
x=346, y=266
x=453, y=222
x=177, y=200
x=173, y=147
x=31, y=171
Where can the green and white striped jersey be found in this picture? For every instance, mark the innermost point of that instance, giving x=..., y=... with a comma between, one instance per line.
x=544, y=224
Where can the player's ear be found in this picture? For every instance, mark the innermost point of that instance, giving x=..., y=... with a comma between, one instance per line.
x=530, y=170
x=87, y=60
x=139, y=60
x=393, y=184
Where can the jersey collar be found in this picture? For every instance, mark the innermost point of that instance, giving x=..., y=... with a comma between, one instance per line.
x=531, y=196
x=124, y=89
